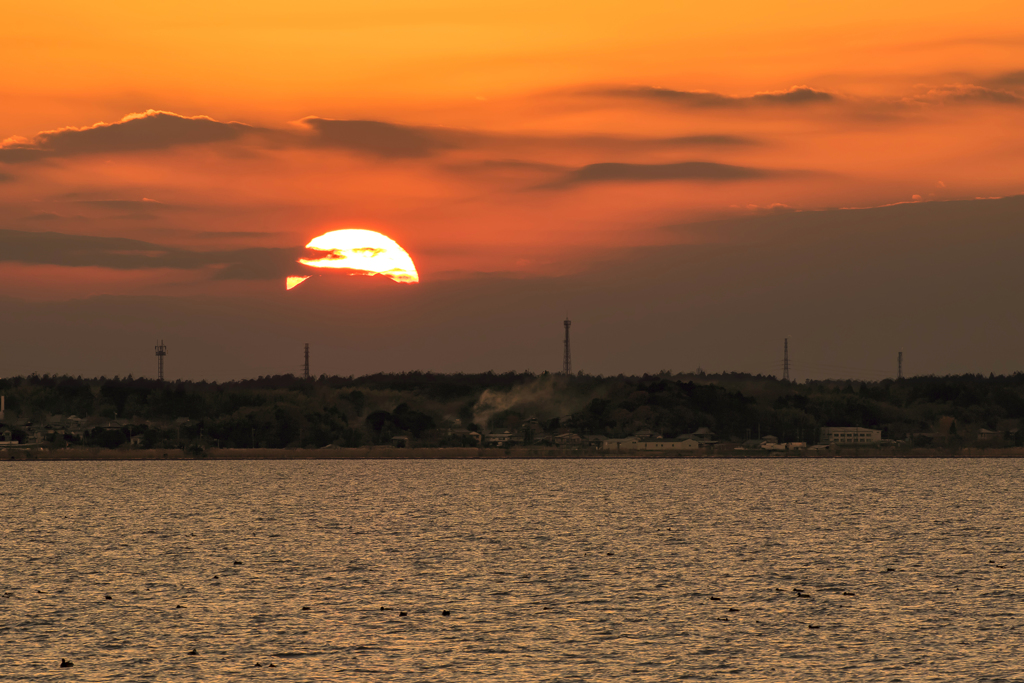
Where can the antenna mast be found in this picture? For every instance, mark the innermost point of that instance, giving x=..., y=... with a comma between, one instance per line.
x=305, y=367
x=785, y=360
x=161, y=351
x=567, y=360
x=899, y=366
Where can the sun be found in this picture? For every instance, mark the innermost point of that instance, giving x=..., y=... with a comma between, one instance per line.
x=361, y=251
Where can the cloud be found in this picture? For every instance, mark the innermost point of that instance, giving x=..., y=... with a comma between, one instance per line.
x=387, y=140
x=6, y=178
x=157, y=130
x=1012, y=79
x=124, y=204
x=967, y=94
x=394, y=141
x=686, y=170
x=149, y=130
x=60, y=249
x=797, y=95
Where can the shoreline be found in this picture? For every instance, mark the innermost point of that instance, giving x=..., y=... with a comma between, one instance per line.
x=22, y=454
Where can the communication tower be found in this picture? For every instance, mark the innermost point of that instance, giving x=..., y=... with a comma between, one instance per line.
x=305, y=366
x=567, y=360
x=899, y=366
x=161, y=351
x=785, y=360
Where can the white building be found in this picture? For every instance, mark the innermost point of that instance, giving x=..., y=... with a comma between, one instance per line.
x=850, y=435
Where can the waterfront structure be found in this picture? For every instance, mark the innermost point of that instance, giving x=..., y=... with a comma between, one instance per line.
x=634, y=444
x=850, y=435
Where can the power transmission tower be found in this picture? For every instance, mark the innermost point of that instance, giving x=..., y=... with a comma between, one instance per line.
x=305, y=367
x=899, y=366
x=161, y=351
x=785, y=360
x=567, y=360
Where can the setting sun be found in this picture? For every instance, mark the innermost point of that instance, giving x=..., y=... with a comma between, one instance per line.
x=363, y=251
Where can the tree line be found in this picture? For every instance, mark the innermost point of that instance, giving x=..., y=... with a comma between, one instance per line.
x=439, y=409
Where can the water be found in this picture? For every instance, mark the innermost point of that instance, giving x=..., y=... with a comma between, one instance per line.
x=551, y=570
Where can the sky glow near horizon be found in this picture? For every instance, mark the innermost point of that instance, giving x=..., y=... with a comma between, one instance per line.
x=506, y=140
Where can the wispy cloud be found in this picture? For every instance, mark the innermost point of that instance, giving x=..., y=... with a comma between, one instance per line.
x=795, y=96
x=967, y=93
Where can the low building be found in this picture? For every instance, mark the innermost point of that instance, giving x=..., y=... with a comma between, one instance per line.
x=847, y=436
x=568, y=439
x=670, y=445
x=627, y=444
x=634, y=444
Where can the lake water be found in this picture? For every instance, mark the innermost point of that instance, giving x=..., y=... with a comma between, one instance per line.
x=639, y=570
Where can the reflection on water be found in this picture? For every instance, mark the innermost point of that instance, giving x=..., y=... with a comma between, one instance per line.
x=551, y=570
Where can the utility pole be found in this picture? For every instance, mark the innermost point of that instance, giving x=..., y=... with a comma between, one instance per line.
x=161, y=351
x=899, y=366
x=305, y=367
x=567, y=360
x=785, y=360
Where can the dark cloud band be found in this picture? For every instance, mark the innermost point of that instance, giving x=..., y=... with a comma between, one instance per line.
x=59, y=249
x=388, y=140
x=639, y=173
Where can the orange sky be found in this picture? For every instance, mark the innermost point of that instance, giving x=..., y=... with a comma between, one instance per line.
x=646, y=165
x=535, y=138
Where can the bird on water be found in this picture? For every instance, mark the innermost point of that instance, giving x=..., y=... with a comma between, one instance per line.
x=64, y=664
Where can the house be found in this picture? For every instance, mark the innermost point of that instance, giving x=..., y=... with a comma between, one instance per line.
x=646, y=435
x=704, y=434
x=498, y=438
x=400, y=441
x=568, y=439
x=465, y=434
x=987, y=435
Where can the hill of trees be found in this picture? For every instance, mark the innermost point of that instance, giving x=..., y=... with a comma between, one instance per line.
x=438, y=409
